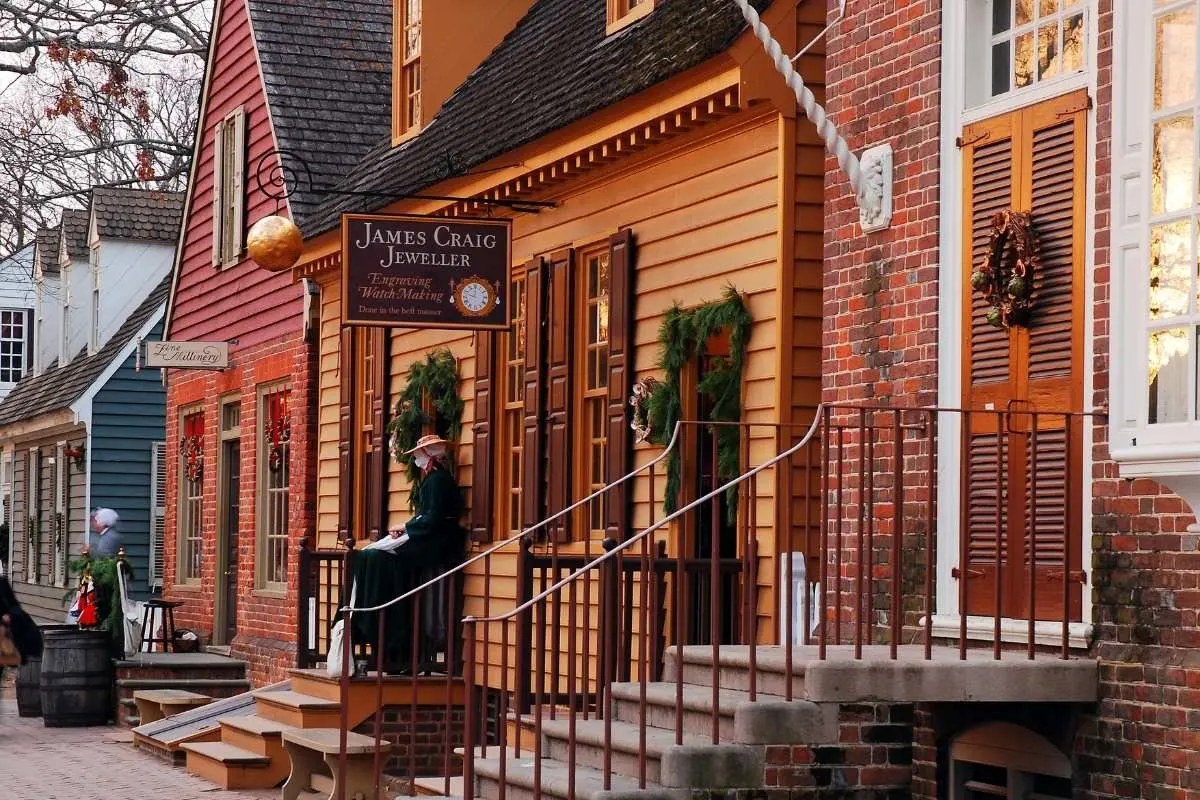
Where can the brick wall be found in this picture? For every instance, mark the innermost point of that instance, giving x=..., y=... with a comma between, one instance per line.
x=266, y=623
x=423, y=736
x=873, y=757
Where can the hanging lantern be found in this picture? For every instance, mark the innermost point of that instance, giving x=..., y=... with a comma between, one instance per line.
x=274, y=243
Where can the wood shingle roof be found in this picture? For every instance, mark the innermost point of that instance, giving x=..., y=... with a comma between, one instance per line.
x=139, y=214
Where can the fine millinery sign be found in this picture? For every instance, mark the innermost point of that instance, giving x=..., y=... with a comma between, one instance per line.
x=425, y=272
x=188, y=355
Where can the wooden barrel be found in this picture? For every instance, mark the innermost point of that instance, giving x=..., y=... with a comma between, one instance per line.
x=76, y=678
x=29, y=687
x=29, y=679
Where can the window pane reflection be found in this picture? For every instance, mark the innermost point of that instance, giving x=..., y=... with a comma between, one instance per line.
x=1048, y=65
x=1171, y=268
x=1001, y=15
x=1172, y=175
x=1175, y=59
x=1023, y=68
x=1168, y=375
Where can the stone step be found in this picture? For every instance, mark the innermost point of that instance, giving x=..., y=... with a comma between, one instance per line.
x=734, y=668
x=660, y=707
x=625, y=740
x=521, y=775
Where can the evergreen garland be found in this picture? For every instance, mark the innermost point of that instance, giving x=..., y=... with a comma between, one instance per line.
x=682, y=337
x=436, y=378
x=108, y=596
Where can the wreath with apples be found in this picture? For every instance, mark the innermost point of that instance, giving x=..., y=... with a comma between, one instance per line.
x=1005, y=277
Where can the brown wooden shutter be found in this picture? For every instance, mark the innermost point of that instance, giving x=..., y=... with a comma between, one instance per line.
x=1029, y=160
x=482, y=492
x=534, y=389
x=621, y=277
x=376, y=474
x=560, y=400
x=346, y=436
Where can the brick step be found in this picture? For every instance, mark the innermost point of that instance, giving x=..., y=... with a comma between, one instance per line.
x=232, y=767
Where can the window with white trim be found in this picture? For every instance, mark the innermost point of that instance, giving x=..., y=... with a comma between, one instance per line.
x=14, y=344
x=1014, y=46
x=190, y=520
x=229, y=194
x=273, y=486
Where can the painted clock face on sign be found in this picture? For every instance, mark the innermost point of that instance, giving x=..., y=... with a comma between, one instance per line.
x=475, y=297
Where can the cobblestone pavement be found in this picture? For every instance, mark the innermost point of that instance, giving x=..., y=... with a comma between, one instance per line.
x=40, y=763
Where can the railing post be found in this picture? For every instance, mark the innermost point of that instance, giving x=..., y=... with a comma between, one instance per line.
x=897, y=528
x=471, y=727
x=306, y=589
x=611, y=604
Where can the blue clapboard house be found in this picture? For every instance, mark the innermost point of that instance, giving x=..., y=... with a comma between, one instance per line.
x=85, y=427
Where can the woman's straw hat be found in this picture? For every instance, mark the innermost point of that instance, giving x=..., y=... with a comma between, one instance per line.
x=425, y=442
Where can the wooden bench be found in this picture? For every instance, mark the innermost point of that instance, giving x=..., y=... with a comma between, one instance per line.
x=315, y=751
x=155, y=704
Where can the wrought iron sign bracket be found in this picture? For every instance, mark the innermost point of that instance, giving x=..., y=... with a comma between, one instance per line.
x=279, y=181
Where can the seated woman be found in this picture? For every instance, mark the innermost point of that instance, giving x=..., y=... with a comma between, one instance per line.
x=431, y=542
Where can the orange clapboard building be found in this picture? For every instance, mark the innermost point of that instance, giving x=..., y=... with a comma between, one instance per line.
x=672, y=168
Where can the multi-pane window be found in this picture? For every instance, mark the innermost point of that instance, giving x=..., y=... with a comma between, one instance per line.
x=594, y=346
x=13, y=337
x=275, y=435
x=514, y=406
x=229, y=167
x=191, y=496
x=1015, y=45
x=1173, y=314
x=411, y=66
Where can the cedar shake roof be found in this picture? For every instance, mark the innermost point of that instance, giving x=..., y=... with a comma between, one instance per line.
x=141, y=214
x=47, y=249
x=327, y=68
x=57, y=388
x=75, y=231
x=555, y=67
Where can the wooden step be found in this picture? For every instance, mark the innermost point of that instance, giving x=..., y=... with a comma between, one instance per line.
x=297, y=709
x=231, y=767
x=256, y=734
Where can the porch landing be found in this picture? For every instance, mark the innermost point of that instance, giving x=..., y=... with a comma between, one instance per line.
x=910, y=678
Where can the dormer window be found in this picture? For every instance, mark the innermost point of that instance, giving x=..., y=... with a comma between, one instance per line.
x=626, y=12
x=407, y=94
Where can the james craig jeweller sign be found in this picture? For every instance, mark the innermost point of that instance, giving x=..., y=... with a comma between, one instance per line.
x=188, y=355
x=425, y=272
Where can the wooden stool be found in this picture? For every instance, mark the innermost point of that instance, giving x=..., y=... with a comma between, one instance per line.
x=316, y=751
x=167, y=632
x=155, y=704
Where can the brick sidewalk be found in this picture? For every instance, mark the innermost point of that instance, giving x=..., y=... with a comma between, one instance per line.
x=40, y=763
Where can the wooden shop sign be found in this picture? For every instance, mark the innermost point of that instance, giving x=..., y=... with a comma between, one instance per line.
x=425, y=272
x=188, y=355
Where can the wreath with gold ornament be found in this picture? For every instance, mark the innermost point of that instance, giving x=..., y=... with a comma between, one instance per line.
x=1005, y=278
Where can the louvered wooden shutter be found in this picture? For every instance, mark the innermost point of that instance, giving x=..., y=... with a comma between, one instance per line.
x=482, y=438
x=376, y=473
x=620, y=379
x=238, y=212
x=560, y=400
x=1029, y=160
x=346, y=436
x=534, y=389
x=158, y=512
x=218, y=190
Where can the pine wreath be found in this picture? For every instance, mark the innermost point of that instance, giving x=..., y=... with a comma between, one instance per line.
x=1006, y=275
x=682, y=337
x=436, y=378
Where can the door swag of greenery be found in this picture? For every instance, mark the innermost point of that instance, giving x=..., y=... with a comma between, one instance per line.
x=436, y=378
x=682, y=338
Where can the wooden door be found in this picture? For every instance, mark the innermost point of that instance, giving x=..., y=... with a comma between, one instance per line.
x=1023, y=481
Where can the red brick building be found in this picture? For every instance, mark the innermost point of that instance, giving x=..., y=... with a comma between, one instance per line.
x=240, y=484
x=1080, y=112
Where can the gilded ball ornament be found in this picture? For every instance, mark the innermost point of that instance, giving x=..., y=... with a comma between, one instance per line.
x=274, y=243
